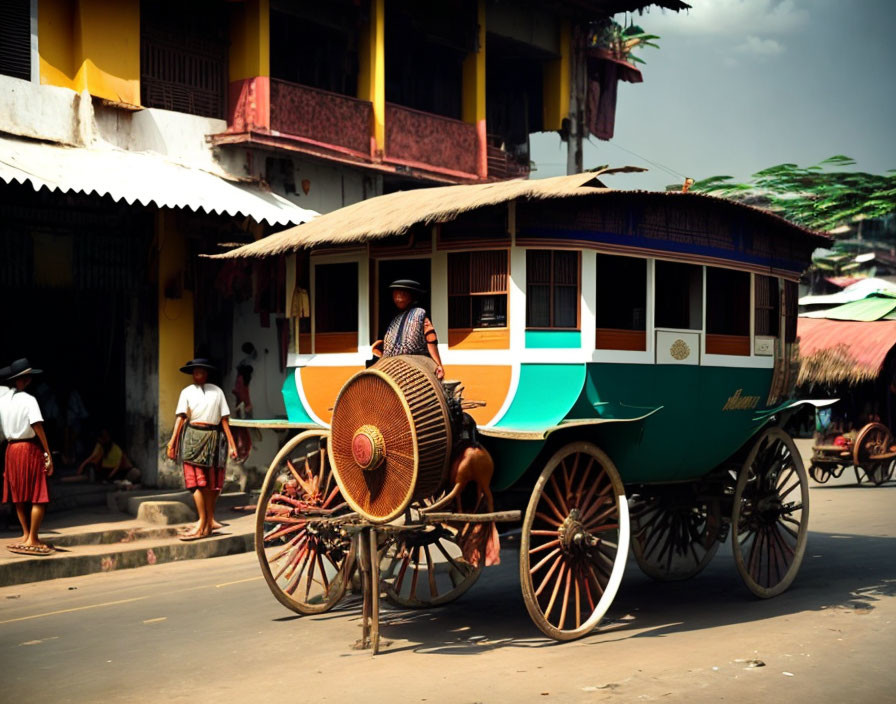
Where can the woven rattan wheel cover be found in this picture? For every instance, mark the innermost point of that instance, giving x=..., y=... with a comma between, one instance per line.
x=403, y=400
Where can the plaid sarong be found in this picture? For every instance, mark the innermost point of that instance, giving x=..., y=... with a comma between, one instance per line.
x=204, y=446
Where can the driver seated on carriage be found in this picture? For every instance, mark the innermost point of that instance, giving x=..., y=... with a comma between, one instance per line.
x=411, y=331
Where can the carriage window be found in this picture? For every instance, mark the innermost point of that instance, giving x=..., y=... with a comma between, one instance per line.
x=621, y=303
x=727, y=312
x=727, y=302
x=552, y=289
x=766, y=306
x=678, y=297
x=477, y=290
x=336, y=298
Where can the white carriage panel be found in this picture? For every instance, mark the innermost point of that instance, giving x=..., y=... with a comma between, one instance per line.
x=588, y=302
x=677, y=347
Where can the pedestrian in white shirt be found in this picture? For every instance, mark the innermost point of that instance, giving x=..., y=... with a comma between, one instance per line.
x=203, y=415
x=28, y=459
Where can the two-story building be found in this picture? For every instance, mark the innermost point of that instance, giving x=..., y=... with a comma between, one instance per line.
x=136, y=135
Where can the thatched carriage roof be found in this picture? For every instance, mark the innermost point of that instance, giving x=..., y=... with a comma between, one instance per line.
x=396, y=213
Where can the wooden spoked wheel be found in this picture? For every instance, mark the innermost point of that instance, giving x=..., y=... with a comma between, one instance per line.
x=305, y=562
x=770, y=519
x=574, y=542
x=674, y=533
x=872, y=443
x=423, y=568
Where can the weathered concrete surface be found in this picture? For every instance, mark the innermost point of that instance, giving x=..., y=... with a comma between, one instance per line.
x=165, y=512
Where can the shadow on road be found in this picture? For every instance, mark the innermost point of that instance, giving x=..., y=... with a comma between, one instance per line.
x=840, y=571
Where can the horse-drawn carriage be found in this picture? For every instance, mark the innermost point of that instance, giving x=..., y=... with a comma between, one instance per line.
x=625, y=358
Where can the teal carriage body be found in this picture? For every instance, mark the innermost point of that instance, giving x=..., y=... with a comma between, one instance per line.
x=647, y=338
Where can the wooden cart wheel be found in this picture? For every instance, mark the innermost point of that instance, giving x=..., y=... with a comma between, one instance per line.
x=818, y=473
x=770, y=519
x=874, y=439
x=574, y=542
x=675, y=533
x=305, y=563
x=423, y=568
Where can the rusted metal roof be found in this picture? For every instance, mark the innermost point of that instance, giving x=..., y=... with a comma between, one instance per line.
x=836, y=351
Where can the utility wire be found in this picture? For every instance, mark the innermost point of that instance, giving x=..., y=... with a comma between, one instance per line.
x=673, y=172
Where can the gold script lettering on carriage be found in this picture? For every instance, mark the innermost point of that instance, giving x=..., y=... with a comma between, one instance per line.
x=551, y=402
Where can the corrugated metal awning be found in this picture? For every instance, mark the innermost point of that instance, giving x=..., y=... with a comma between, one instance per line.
x=140, y=177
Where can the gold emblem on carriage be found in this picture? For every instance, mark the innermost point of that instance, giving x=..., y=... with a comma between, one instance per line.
x=680, y=350
x=737, y=402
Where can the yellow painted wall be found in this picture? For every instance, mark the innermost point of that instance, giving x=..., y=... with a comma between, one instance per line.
x=372, y=69
x=91, y=45
x=175, y=316
x=473, y=108
x=250, y=39
x=556, y=82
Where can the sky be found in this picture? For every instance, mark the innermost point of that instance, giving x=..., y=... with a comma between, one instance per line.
x=740, y=85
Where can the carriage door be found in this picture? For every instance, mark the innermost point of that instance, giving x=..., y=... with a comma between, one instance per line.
x=388, y=271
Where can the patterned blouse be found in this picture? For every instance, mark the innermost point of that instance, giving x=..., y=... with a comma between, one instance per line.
x=405, y=334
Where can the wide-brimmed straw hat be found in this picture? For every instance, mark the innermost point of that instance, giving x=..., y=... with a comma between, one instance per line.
x=408, y=285
x=21, y=367
x=198, y=363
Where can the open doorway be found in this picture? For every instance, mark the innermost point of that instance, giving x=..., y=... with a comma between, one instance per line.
x=392, y=269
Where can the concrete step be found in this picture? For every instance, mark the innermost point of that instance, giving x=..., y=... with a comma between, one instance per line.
x=123, y=545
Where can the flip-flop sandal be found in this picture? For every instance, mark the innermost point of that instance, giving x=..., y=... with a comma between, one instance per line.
x=37, y=550
x=190, y=537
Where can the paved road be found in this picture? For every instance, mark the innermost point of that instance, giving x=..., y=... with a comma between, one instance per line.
x=209, y=630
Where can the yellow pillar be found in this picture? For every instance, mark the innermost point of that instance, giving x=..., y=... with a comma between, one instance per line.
x=557, y=82
x=176, y=315
x=372, y=73
x=473, y=108
x=249, y=99
x=91, y=45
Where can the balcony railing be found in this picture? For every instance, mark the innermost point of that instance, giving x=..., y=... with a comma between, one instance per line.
x=321, y=116
x=502, y=165
x=421, y=138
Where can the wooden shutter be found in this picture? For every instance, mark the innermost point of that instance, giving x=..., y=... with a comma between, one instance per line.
x=15, y=38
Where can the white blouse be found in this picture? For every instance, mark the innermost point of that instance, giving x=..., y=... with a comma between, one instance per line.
x=18, y=412
x=202, y=404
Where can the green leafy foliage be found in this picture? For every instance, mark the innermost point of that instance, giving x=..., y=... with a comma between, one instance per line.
x=621, y=41
x=822, y=197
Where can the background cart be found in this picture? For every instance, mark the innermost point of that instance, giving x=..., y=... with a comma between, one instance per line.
x=634, y=353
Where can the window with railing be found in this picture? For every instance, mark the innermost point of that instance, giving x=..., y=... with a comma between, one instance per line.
x=621, y=304
x=184, y=57
x=477, y=290
x=766, y=306
x=552, y=289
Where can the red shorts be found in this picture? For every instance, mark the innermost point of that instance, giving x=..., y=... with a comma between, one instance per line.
x=25, y=479
x=196, y=477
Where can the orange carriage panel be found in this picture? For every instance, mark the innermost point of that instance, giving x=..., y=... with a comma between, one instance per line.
x=479, y=339
x=614, y=339
x=322, y=385
x=728, y=344
x=335, y=342
x=482, y=382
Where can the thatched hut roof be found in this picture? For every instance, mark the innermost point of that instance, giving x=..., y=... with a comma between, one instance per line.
x=843, y=352
x=396, y=213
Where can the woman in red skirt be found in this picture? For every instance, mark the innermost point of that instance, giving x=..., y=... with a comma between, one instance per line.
x=28, y=459
x=206, y=438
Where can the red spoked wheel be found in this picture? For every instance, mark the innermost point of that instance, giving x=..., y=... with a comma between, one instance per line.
x=574, y=542
x=770, y=519
x=305, y=561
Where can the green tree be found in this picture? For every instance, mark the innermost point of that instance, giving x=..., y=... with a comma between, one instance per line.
x=821, y=197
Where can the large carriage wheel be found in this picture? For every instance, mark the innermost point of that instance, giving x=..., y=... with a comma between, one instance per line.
x=675, y=533
x=574, y=542
x=770, y=520
x=880, y=472
x=423, y=568
x=306, y=563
